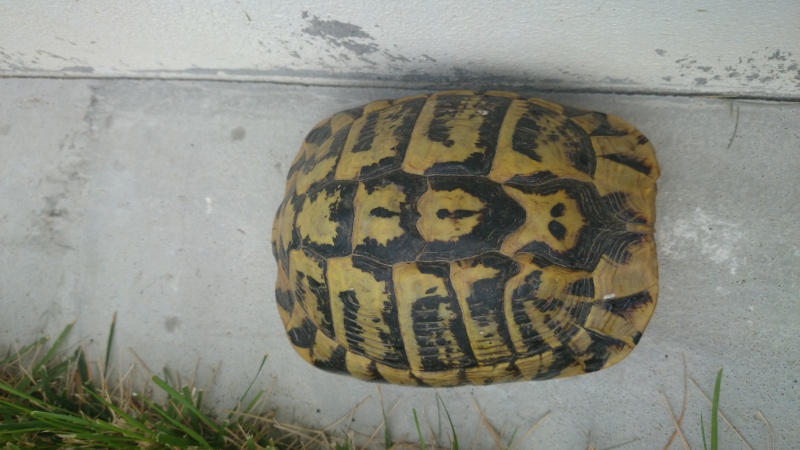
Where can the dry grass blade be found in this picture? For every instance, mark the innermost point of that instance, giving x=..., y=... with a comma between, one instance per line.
x=347, y=417
x=140, y=363
x=620, y=445
x=530, y=431
x=590, y=444
x=761, y=416
x=496, y=436
x=302, y=436
x=485, y=421
x=384, y=424
x=679, y=421
x=676, y=423
x=317, y=438
x=721, y=415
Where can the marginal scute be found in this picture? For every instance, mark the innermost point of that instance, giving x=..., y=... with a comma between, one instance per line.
x=467, y=237
x=362, y=367
x=364, y=309
x=479, y=283
x=310, y=289
x=283, y=233
x=430, y=318
x=318, y=163
x=327, y=354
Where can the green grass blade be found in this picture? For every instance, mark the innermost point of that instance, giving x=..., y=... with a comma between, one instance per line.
x=129, y=420
x=253, y=381
x=715, y=412
x=22, y=395
x=703, y=432
x=186, y=402
x=101, y=430
x=164, y=436
x=129, y=435
x=387, y=435
x=12, y=408
x=60, y=423
x=252, y=403
x=194, y=418
x=51, y=352
x=10, y=357
x=187, y=394
x=511, y=440
x=17, y=427
x=83, y=368
x=346, y=446
x=176, y=441
x=91, y=409
x=110, y=342
x=419, y=431
x=452, y=428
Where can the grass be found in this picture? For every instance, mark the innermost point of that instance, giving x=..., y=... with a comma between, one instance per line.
x=714, y=437
x=49, y=399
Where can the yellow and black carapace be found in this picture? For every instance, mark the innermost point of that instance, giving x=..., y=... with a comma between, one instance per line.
x=467, y=238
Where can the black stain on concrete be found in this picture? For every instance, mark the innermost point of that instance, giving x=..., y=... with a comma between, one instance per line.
x=238, y=134
x=347, y=42
x=766, y=67
x=171, y=323
x=341, y=34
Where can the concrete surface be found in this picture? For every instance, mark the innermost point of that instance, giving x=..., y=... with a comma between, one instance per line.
x=155, y=199
x=735, y=47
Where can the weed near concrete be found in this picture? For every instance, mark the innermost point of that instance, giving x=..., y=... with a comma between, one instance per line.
x=49, y=399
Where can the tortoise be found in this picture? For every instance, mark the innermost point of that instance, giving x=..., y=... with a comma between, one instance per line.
x=465, y=237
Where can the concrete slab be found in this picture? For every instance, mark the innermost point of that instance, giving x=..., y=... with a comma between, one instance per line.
x=155, y=199
x=654, y=48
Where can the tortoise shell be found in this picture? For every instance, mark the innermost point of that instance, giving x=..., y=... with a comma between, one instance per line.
x=467, y=238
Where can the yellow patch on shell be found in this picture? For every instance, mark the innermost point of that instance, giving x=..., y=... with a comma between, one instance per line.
x=318, y=161
x=384, y=145
x=538, y=217
x=484, y=332
x=346, y=281
x=283, y=225
x=509, y=163
x=314, y=220
x=417, y=285
x=442, y=214
x=375, y=226
x=305, y=275
x=460, y=146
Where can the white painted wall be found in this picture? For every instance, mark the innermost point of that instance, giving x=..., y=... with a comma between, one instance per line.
x=736, y=47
